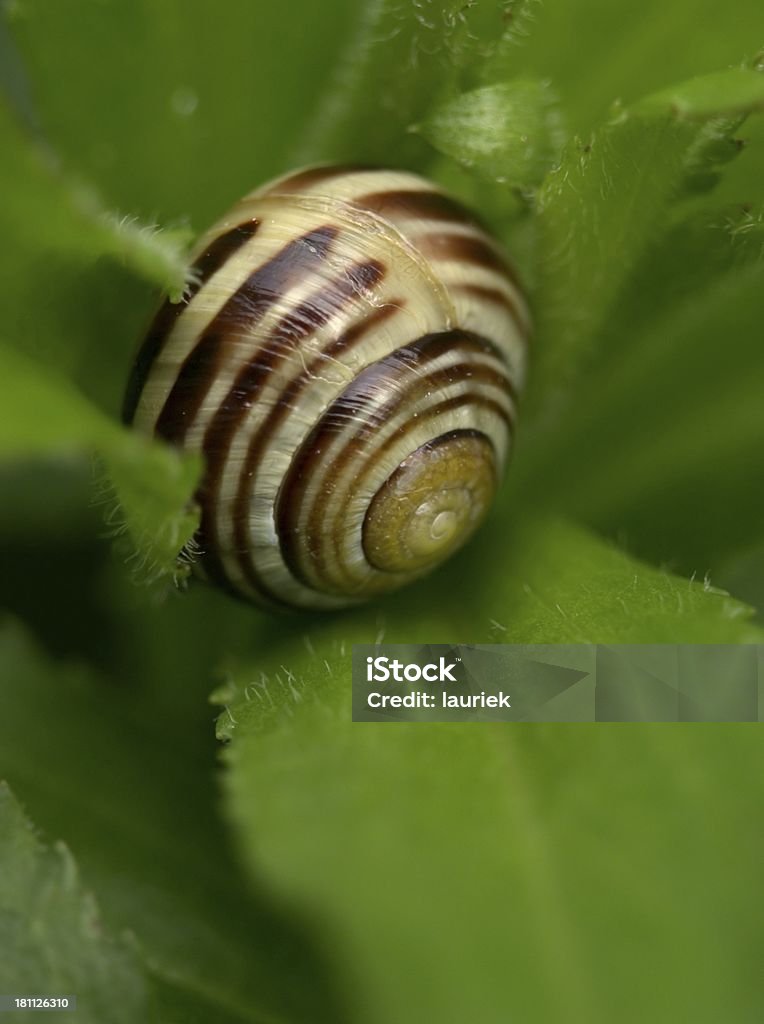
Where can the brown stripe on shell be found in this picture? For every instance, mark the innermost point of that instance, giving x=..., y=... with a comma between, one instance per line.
x=412, y=359
x=428, y=204
x=300, y=323
x=313, y=176
x=423, y=387
x=448, y=405
x=211, y=260
x=309, y=536
x=418, y=453
x=316, y=519
x=371, y=417
x=260, y=440
x=465, y=249
x=263, y=288
x=499, y=298
x=357, y=402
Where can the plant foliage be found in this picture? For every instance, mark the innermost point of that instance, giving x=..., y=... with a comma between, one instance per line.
x=377, y=873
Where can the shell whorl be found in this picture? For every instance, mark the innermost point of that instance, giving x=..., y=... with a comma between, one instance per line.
x=347, y=359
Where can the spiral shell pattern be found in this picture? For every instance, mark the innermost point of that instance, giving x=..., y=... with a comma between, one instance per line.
x=347, y=360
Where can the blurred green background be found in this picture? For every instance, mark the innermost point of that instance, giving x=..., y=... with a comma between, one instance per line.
x=298, y=867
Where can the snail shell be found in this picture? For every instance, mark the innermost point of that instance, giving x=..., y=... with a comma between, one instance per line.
x=347, y=360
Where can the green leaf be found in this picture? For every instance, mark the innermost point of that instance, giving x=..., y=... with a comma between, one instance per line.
x=556, y=584
x=69, y=291
x=70, y=219
x=509, y=133
x=402, y=58
x=153, y=484
x=465, y=871
x=744, y=572
x=609, y=201
x=151, y=487
x=51, y=934
x=128, y=784
x=563, y=585
x=470, y=872
x=567, y=586
x=678, y=396
x=597, y=52
x=172, y=107
x=721, y=94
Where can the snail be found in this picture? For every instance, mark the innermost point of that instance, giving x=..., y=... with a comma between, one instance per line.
x=347, y=358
